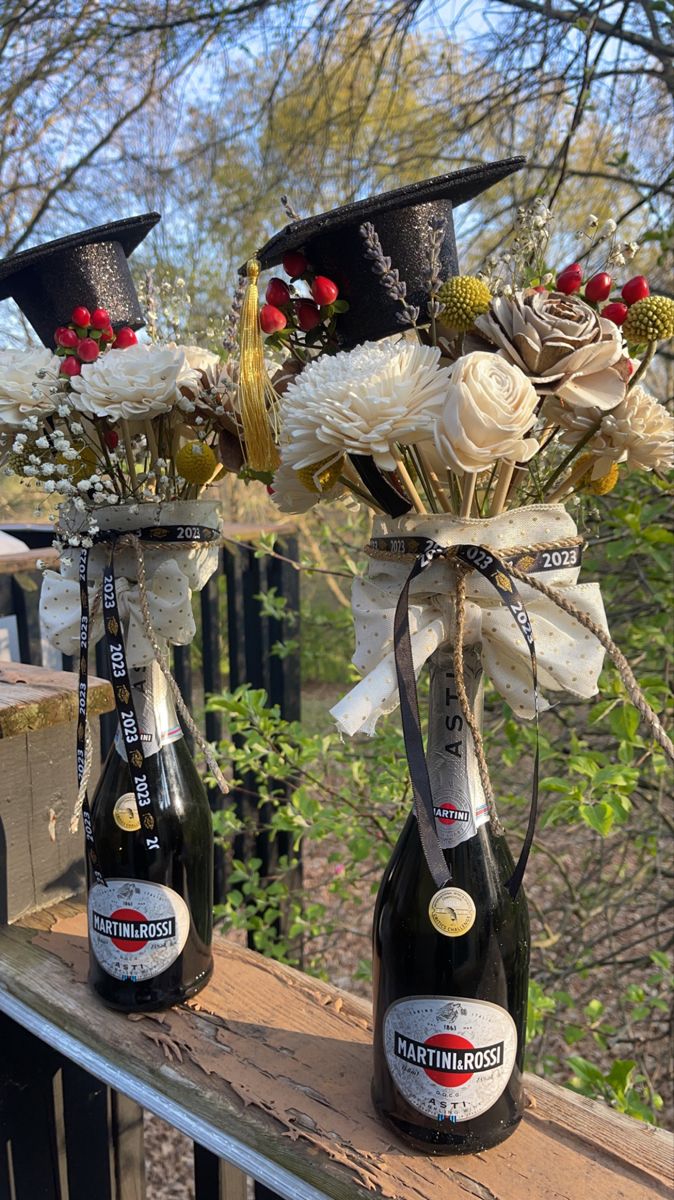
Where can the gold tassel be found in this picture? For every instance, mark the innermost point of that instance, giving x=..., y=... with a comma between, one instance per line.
x=258, y=399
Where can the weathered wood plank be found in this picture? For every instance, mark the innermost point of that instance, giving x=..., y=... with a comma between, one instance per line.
x=27, y=560
x=41, y=861
x=272, y=1067
x=36, y=698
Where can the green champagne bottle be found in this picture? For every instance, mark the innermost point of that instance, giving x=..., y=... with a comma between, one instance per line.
x=150, y=928
x=451, y=965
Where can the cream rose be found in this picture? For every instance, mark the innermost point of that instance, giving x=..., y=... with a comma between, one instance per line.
x=130, y=384
x=490, y=406
x=26, y=377
x=562, y=344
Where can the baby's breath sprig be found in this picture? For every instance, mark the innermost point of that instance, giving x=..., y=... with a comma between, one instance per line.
x=230, y=340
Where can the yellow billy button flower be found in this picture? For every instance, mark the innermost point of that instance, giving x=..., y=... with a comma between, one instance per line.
x=463, y=298
x=81, y=467
x=196, y=462
x=650, y=320
x=321, y=476
x=603, y=484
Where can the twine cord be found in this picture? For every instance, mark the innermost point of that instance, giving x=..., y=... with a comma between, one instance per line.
x=634, y=692
x=132, y=540
x=616, y=655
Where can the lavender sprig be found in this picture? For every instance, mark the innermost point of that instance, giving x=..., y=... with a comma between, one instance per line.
x=438, y=227
x=289, y=210
x=389, y=276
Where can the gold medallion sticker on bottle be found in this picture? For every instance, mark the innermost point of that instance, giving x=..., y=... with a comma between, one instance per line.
x=452, y=911
x=125, y=813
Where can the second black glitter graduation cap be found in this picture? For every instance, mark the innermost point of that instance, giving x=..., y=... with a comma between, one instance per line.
x=334, y=246
x=87, y=268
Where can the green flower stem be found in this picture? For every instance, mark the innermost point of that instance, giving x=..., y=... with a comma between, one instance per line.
x=568, y=458
x=643, y=365
x=482, y=505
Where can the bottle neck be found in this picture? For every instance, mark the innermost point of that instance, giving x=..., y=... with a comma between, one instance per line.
x=458, y=796
x=156, y=715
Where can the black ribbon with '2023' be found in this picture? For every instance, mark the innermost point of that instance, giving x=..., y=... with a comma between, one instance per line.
x=496, y=572
x=121, y=682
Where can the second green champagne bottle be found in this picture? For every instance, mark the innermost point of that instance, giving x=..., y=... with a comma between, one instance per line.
x=150, y=927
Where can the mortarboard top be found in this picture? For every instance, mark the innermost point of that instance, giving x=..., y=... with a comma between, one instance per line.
x=88, y=268
x=334, y=247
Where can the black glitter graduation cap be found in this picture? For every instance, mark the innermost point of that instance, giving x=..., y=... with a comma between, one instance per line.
x=88, y=268
x=402, y=218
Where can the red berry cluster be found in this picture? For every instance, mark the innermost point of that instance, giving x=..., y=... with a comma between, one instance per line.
x=284, y=310
x=598, y=289
x=86, y=336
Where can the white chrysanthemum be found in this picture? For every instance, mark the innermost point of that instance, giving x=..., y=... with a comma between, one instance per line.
x=26, y=377
x=638, y=432
x=201, y=368
x=138, y=382
x=363, y=401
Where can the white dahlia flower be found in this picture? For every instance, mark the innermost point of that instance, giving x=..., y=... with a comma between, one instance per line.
x=362, y=401
x=130, y=384
x=26, y=377
x=638, y=432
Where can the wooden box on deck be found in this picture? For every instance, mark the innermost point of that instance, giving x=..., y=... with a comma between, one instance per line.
x=41, y=861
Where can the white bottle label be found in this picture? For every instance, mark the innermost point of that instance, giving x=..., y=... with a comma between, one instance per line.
x=450, y=1058
x=158, y=723
x=459, y=802
x=136, y=929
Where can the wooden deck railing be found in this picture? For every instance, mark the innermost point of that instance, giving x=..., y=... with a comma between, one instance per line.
x=267, y=1070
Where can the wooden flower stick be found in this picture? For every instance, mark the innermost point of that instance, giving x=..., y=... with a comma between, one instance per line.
x=126, y=437
x=151, y=441
x=468, y=492
x=581, y=468
x=437, y=486
x=409, y=486
x=506, y=472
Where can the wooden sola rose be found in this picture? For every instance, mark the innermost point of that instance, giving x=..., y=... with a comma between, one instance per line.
x=466, y=412
x=126, y=435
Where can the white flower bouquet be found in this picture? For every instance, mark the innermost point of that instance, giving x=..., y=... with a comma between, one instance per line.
x=107, y=420
x=504, y=397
